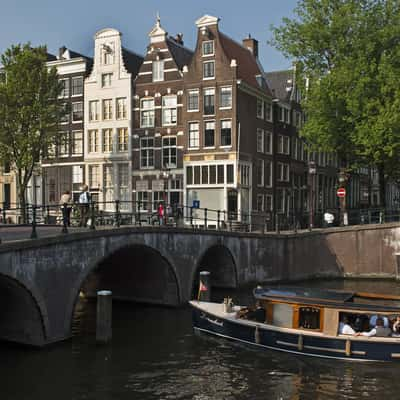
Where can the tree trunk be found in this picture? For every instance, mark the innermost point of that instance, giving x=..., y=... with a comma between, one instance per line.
x=382, y=185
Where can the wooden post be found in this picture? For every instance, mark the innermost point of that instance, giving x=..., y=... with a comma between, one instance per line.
x=104, y=316
x=204, y=287
x=397, y=255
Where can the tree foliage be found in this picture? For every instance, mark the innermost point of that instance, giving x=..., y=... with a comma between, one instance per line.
x=349, y=54
x=29, y=110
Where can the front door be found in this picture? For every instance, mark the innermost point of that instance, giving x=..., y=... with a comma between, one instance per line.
x=232, y=204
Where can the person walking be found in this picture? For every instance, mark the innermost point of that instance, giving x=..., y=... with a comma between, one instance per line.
x=84, y=200
x=66, y=207
x=160, y=213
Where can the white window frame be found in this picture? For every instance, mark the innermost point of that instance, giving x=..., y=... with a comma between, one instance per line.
x=260, y=109
x=121, y=108
x=66, y=88
x=260, y=141
x=149, y=149
x=107, y=140
x=107, y=109
x=122, y=139
x=196, y=139
x=195, y=92
x=271, y=142
x=93, y=141
x=158, y=71
x=93, y=110
x=76, y=104
x=271, y=202
x=260, y=178
x=94, y=183
x=106, y=79
x=260, y=202
x=206, y=42
x=77, y=137
x=268, y=180
x=223, y=107
x=207, y=92
x=221, y=129
x=206, y=123
x=210, y=62
x=76, y=78
x=148, y=110
x=63, y=145
x=169, y=113
x=170, y=149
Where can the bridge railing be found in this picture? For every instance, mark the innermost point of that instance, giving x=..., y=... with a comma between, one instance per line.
x=121, y=213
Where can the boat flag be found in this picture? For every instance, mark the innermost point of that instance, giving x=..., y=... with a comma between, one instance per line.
x=202, y=288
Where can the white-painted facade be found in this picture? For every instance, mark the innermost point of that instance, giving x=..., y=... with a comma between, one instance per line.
x=107, y=152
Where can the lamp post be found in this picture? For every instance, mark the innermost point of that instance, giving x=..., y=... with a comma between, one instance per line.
x=342, y=177
x=312, y=170
x=166, y=175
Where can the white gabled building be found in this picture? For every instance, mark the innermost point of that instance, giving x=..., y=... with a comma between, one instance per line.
x=108, y=121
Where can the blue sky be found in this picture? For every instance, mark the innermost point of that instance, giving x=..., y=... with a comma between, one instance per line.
x=73, y=22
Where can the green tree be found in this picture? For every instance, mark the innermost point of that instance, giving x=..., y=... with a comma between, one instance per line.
x=29, y=111
x=348, y=53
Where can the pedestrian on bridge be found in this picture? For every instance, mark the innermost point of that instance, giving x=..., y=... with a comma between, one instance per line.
x=66, y=207
x=84, y=200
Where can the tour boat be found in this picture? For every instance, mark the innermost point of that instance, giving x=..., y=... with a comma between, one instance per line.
x=305, y=322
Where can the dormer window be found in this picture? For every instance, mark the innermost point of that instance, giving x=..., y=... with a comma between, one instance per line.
x=107, y=53
x=158, y=71
x=208, y=48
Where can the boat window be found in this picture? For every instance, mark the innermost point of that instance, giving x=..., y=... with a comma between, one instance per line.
x=309, y=317
x=282, y=315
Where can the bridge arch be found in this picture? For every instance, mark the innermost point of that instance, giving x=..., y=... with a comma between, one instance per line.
x=23, y=315
x=220, y=262
x=134, y=272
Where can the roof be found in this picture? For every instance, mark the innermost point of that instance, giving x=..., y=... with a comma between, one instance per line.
x=181, y=54
x=328, y=297
x=280, y=82
x=132, y=61
x=248, y=67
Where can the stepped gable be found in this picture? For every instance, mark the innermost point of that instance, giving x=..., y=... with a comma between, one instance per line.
x=180, y=54
x=281, y=83
x=248, y=67
x=132, y=61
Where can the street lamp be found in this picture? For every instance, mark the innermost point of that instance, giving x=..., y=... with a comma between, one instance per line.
x=312, y=170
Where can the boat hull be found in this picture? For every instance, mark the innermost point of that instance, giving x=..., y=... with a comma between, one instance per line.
x=296, y=342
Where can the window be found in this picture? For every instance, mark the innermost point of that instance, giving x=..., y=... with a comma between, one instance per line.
x=63, y=147
x=93, y=145
x=209, y=101
x=77, y=86
x=260, y=141
x=169, y=110
x=220, y=174
x=122, y=136
x=93, y=110
x=268, y=111
x=106, y=80
x=309, y=318
x=283, y=172
x=280, y=200
x=143, y=199
x=209, y=134
x=244, y=175
x=268, y=142
x=229, y=174
x=146, y=152
x=107, y=109
x=123, y=185
x=209, y=70
x=193, y=100
x=94, y=176
x=194, y=137
x=108, y=184
x=268, y=202
x=260, y=172
x=64, y=87
x=107, y=140
x=158, y=71
x=77, y=143
x=268, y=173
x=169, y=152
x=260, y=108
x=157, y=198
x=208, y=48
x=108, y=53
x=226, y=133
x=284, y=115
x=189, y=175
x=283, y=144
x=77, y=174
x=147, y=113
x=64, y=118
x=77, y=112
x=121, y=108
x=225, y=97
x=260, y=202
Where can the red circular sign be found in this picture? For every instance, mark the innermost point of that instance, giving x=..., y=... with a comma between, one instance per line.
x=341, y=192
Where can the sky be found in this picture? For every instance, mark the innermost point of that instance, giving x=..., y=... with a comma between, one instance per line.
x=73, y=23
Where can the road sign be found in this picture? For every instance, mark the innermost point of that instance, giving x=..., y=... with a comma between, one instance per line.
x=196, y=203
x=341, y=192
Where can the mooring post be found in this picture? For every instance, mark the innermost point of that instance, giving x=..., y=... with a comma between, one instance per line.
x=204, y=286
x=104, y=316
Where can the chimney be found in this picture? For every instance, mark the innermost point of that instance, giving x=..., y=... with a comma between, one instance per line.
x=252, y=45
x=179, y=38
x=61, y=51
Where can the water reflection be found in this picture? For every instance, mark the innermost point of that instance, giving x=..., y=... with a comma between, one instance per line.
x=155, y=355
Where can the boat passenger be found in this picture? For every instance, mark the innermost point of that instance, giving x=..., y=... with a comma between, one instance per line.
x=259, y=313
x=345, y=327
x=396, y=327
x=380, y=330
x=372, y=321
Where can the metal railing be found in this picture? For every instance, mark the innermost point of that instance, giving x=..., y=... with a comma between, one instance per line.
x=122, y=213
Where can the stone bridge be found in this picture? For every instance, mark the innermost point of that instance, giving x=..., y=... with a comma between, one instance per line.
x=41, y=280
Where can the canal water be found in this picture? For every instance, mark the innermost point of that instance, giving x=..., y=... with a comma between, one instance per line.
x=155, y=355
